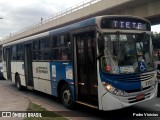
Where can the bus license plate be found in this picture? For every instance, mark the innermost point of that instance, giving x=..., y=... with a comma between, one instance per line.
x=140, y=97
x=147, y=83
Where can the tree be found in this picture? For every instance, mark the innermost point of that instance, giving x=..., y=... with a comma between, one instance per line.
x=156, y=41
x=156, y=45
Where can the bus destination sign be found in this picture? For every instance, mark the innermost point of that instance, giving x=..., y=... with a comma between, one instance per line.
x=125, y=23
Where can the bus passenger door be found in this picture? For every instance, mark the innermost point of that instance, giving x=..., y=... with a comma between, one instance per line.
x=86, y=67
x=28, y=65
x=8, y=63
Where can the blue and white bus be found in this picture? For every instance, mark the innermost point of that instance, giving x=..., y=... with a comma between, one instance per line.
x=104, y=62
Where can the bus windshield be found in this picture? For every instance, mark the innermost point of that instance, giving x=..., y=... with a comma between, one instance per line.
x=127, y=53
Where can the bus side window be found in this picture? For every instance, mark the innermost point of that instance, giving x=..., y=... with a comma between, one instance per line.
x=65, y=54
x=54, y=41
x=61, y=47
x=61, y=40
x=55, y=50
x=45, y=48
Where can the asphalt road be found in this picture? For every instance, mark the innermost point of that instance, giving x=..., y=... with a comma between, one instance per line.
x=149, y=110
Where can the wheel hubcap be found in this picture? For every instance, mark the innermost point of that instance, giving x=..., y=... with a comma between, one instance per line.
x=67, y=97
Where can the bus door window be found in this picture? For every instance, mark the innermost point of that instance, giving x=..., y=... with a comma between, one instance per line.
x=36, y=53
x=4, y=54
x=91, y=49
x=20, y=52
x=91, y=60
x=81, y=59
x=86, y=67
x=8, y=62
x=14, y=53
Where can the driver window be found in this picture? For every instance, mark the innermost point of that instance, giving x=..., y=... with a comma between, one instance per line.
x=127, y=51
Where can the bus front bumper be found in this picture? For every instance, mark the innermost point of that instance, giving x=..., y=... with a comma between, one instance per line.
x=113, y=102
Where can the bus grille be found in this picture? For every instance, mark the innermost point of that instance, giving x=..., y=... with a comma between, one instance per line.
x=137, y=77
x=132, y=97
x=132, y=94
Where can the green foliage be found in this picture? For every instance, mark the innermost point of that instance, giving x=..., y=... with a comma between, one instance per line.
x=37, y=108
x=156, y=40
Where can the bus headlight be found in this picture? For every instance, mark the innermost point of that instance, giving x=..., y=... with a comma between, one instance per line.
x=155, y=79
x=113, y=90
x=155, y=76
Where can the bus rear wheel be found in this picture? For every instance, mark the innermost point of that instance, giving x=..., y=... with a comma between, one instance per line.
x=66, y=97
x=18, y=83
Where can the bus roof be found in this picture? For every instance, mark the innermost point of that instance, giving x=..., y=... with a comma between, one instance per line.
x=88, y=22
x=81, y=24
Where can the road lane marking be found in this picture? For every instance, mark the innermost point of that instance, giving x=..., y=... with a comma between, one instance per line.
x=157, y=105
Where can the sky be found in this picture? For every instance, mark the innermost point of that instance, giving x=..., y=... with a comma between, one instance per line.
x=156, y=28
x=18, y=14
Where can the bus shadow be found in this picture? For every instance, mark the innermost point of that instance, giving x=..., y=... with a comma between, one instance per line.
x=128, y=113
x=84, y=111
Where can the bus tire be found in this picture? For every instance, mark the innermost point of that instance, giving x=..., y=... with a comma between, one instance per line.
x=18, y=83
x=66, y=97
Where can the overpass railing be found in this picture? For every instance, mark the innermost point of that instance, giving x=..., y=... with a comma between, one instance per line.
x=57, y=15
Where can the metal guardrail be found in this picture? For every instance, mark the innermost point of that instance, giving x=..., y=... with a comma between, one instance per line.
x=57, y=15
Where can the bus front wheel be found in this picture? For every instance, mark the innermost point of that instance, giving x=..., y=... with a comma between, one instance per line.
x=66, y=97
x=18, y=83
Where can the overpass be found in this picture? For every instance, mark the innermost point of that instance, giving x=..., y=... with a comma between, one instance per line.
x=145, y=8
